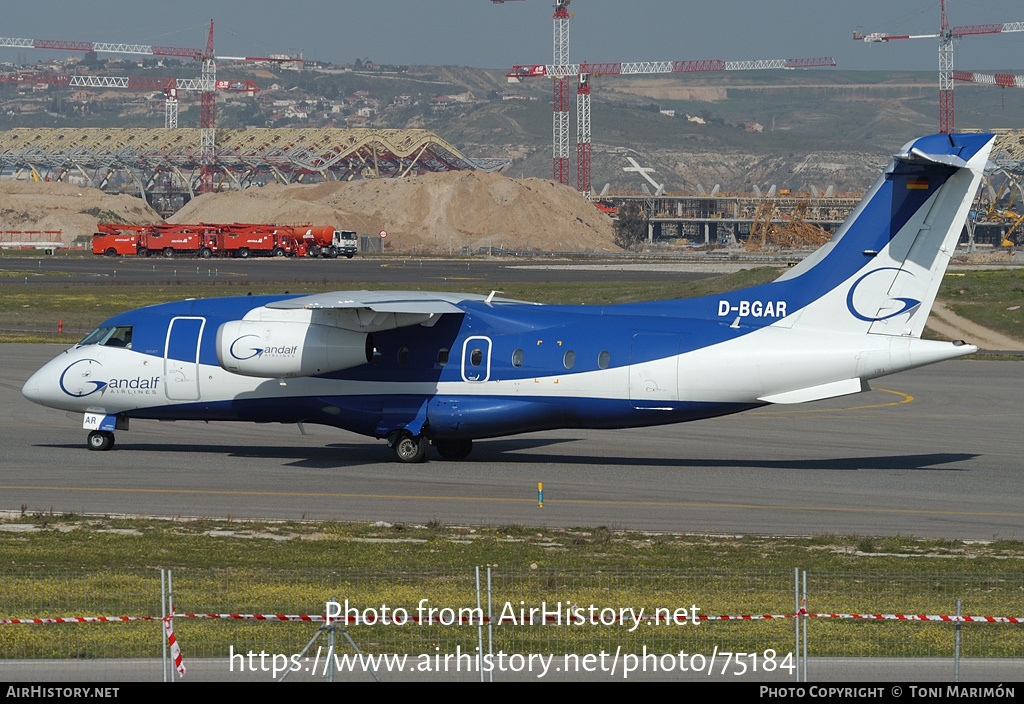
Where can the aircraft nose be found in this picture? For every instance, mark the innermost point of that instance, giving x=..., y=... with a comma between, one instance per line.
x=31, y=389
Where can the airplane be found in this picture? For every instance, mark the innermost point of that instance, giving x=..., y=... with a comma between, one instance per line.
x=443, y=369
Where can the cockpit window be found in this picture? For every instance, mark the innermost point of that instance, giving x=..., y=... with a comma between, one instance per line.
x=110, y=336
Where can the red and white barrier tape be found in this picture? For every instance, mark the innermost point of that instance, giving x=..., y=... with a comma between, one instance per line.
x=80, y=619
x=319, y=618
x=173, y=643
x=473, y=621
x=923, y=617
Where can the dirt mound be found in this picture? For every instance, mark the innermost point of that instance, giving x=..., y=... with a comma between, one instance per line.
x=432, y=213
x=73, y=210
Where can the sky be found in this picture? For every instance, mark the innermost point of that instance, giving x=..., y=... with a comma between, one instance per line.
x=483, y=34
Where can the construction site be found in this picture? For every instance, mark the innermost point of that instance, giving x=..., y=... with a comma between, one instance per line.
x=199, y=172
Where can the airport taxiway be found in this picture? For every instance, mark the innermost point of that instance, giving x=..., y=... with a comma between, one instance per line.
x=933, y=452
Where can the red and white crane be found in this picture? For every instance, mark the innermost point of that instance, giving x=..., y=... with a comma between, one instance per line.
x=945, y=36
x=561, y=71
x=583, y=72
x=1004, y=80
x=560, y=102
x=169, y=86
x=207, y=83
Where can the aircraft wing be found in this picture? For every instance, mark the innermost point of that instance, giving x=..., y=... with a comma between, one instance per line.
x=370, y=311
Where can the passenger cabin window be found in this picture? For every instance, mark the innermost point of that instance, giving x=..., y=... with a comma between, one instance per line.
x=604, y=359
x=110, y=336
x=403, y=355
x=442, y=356
x=569, y=359
x=517, y=358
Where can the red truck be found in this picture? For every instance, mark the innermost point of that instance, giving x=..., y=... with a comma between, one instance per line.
x=170, y=240
x=145, y=240
x=235, y=240
x=315, y=241
x=245, y=241
x=113, y=240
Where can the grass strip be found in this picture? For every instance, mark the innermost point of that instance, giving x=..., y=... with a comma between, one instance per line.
x=84, y=566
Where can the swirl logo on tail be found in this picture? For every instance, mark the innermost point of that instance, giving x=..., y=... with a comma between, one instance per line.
x=908, y=303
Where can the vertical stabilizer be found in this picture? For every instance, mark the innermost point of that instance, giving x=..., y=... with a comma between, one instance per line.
x=881, y=271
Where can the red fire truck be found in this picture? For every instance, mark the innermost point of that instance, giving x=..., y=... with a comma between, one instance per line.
x=240, y=240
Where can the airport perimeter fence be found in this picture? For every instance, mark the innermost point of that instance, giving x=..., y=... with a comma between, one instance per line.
x=665, y=624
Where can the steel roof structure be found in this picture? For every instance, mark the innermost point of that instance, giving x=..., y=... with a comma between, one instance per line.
x=1008, y=151
x=241, y=157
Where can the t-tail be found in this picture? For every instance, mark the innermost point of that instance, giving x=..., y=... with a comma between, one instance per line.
x=880, y=273
x=855, y=309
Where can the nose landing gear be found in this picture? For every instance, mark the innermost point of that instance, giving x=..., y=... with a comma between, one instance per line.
x=100, y=440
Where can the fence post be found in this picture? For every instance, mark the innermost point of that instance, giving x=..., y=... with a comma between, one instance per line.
x=956, y=647
x=796, y=621
x=479, y=628
x=170, y=612
x=490, y=626
x=805, y=617
x=163, y=615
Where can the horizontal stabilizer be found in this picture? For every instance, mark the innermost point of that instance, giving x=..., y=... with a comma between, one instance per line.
x=817, y=393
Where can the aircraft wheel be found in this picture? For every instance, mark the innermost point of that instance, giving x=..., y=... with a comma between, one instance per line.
x=101, y=440
x=454, y=449
x=409, y=449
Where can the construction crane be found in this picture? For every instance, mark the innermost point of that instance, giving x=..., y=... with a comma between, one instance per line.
x=583, y=73
x=562, y=72
x=945, y=36
x=207, y=84
x=560, y=102
x=1005, y=80
x=169, y=86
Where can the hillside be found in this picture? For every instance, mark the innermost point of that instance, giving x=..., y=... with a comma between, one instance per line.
x=796, y=129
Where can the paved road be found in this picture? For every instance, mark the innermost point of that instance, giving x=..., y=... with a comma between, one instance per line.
x=59, y=271
x=938, y=454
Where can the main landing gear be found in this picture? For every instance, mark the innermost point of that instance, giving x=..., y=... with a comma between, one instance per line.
x=413, y=448
x=100, y=440
x=408, y=447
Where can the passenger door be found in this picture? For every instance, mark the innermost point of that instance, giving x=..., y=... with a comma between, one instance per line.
x=181, y=358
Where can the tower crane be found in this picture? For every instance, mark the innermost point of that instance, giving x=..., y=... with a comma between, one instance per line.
x=561, y=71
x=560, y=103
x=169, y=86
x=945, y=36
x=207, y=84
x=583, y=73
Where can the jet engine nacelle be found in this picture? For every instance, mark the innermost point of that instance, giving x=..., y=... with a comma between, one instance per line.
x=276, y=349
